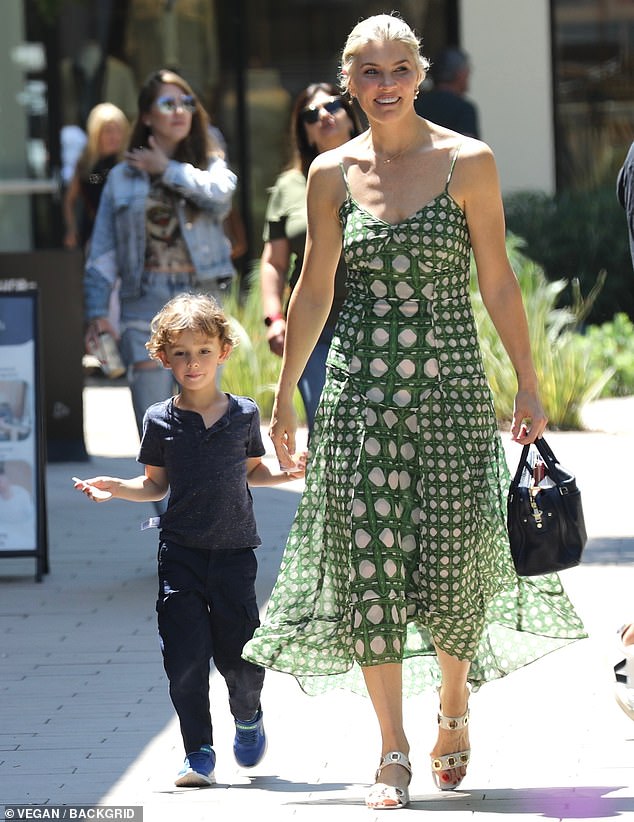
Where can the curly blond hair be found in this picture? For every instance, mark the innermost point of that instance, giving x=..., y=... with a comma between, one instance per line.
x=198, y=313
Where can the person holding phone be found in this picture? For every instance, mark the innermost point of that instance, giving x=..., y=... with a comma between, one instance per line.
x=159, y=227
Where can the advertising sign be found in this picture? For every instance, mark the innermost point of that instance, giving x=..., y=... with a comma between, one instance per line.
x=22, y=509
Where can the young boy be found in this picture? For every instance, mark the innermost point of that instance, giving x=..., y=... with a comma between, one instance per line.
x=205, y=447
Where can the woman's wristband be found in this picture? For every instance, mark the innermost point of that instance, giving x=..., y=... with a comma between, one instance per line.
x=268, y=321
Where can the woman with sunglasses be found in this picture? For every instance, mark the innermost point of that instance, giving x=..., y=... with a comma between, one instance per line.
x=320, y=120
x=159, y=227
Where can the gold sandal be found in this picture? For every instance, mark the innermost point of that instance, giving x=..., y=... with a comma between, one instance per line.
x=441, y=764
x=383, y=797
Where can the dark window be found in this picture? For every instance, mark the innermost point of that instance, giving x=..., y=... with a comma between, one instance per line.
x=594, y=89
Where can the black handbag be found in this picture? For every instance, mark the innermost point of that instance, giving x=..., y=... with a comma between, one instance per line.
x=547, y=532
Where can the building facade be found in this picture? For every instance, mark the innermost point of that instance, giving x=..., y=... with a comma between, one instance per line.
x=553, y=81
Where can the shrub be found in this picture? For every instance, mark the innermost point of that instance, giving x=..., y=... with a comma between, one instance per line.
x=252, y=369
x=565, y=381
x=577, y=234
x=610, y=348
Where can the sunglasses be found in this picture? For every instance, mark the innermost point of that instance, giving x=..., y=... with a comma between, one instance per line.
x=168, y=105
x=310, y=114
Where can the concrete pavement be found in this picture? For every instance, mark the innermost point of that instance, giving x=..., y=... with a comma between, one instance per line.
x=85, y=717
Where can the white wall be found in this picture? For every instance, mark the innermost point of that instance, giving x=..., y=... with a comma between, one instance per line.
x=15, y=213
x=509, y=45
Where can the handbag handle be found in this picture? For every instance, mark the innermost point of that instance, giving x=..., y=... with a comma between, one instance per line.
x=547, y=455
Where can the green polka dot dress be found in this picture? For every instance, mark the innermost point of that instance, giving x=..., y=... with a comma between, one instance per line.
x=400, y=535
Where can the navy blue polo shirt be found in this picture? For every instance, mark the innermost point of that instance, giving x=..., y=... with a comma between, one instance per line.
x=210, y=505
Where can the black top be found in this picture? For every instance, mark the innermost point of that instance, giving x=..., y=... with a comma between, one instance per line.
x=90, y=186
x=210, y=505
x=449, y=110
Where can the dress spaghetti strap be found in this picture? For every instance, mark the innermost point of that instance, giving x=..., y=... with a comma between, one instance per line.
x=453, y=163
x=345, y=177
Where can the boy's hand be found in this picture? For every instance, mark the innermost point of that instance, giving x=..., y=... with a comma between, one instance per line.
x=99, y=489
x=299, y=469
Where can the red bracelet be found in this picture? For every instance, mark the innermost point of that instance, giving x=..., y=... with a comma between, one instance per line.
x=273, y=318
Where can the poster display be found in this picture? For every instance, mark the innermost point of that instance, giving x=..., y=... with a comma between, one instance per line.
x=22, y=510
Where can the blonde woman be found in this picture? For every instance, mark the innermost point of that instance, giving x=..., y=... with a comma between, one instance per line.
x=397, y=575
x=107, y=130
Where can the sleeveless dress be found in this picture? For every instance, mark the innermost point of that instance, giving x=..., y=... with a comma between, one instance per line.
x=400, y=534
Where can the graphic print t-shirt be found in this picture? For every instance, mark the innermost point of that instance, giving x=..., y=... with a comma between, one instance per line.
x=165, y=248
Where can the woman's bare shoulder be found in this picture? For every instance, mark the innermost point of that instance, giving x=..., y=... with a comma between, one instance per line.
x=326, y=176
x=349, y=152
x=475, y=172
x=467, y=147
x=475, y=150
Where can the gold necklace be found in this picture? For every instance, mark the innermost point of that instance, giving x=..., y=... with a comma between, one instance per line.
x=388, y=160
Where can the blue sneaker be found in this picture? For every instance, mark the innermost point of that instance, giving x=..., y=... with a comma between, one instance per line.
x=198, y=769
x=249, y=744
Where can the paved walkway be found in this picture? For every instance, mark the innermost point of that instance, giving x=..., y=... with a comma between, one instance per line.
x=85, y=717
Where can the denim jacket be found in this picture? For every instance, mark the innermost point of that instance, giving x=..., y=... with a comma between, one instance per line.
x=117, y=246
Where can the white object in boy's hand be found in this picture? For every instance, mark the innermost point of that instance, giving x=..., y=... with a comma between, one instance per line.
x=93, y=492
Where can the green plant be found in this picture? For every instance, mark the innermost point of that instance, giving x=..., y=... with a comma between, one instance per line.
x=252, y=369
x=576, y=235
x=566, y=384
x=610, y=348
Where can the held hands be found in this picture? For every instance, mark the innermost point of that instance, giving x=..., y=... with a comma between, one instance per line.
x=282, y=433
x=529, y=418
x=153, y=159
x=99, y=489
x=299, y=470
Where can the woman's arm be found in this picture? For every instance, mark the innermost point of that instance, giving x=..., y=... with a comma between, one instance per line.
x=237, y=233
x=477, y=185
x=311, y=300
x=101, y=267
x=211, y=189
x=274, y=265
x=71, y=237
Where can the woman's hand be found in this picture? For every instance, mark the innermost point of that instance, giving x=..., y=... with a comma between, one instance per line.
x=94, y=328
x=529, y=418
x=275, y=336
x=299, y=472
x=71, y=238
x=153, y=159
x=282, y=433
